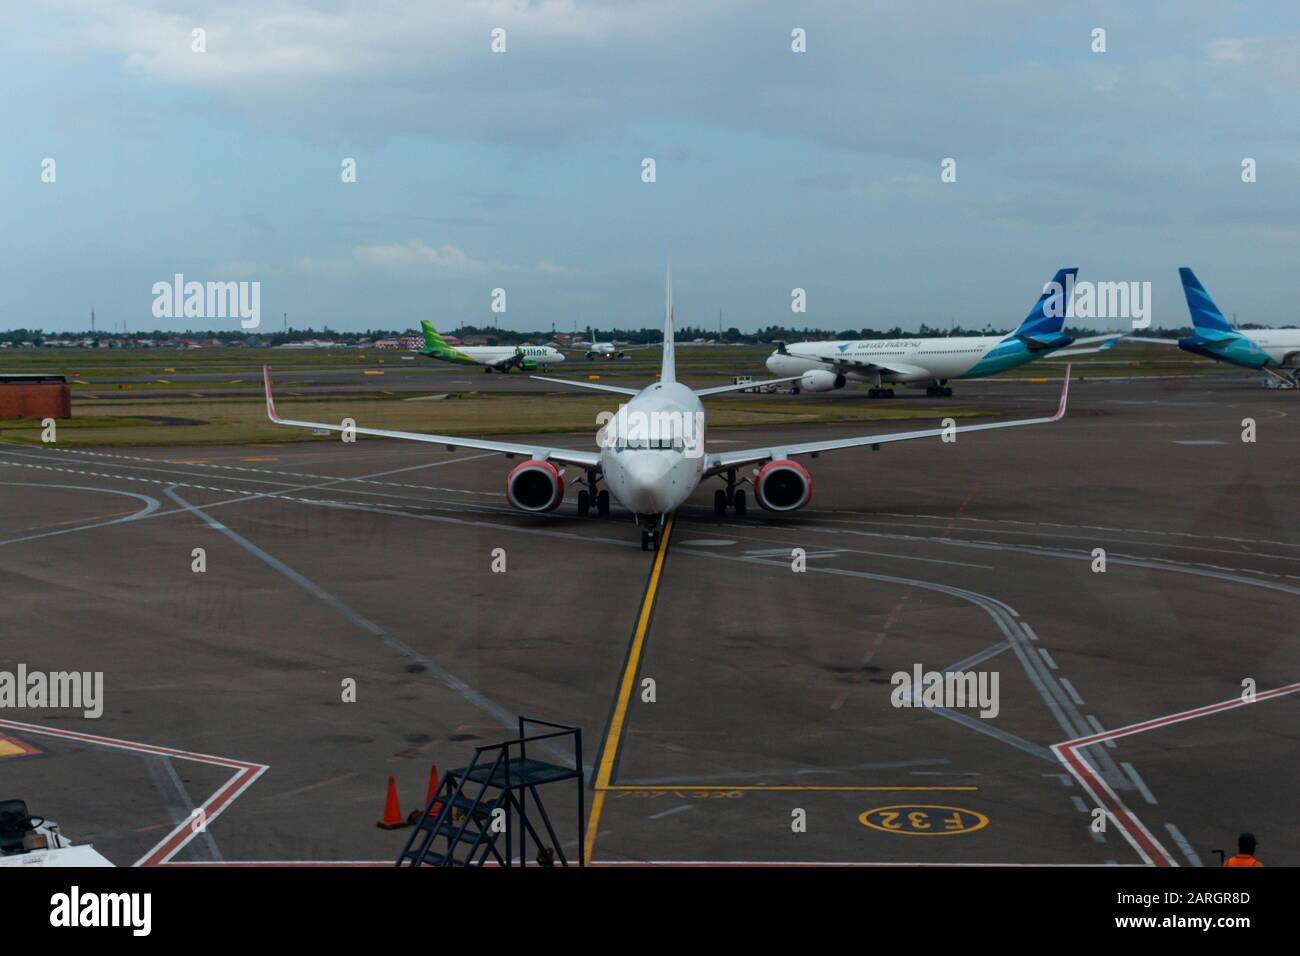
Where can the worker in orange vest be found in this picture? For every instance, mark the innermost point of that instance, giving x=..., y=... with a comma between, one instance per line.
x=1245, y=852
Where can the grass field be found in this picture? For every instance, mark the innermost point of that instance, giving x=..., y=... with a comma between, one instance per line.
x=236, y=414
x=182, y=422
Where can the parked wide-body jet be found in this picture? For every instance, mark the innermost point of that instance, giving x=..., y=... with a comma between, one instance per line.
x=651, y=452
x=933, y=362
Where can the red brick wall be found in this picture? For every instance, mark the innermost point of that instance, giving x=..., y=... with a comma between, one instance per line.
x=38, y=400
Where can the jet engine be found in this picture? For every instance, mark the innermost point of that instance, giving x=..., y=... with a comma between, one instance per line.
x=535, y=486
x=782, y=486
x=821, y=380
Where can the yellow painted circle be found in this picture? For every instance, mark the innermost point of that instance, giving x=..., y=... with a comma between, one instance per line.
x=923, y=820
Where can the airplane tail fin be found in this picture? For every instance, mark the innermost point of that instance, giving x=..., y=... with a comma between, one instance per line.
x=1046, y=319
x=1206, y=317
x=668, y=372
x=433, y=342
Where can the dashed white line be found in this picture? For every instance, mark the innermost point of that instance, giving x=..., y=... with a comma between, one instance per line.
x=1182, y=844
x=1069, y=689
x=1138, y=782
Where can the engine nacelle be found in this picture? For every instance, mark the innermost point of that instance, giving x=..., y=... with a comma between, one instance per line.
x=535, y=486
x=782, y=486
x=821, y=380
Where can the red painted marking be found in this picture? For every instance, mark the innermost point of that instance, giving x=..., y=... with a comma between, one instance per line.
x=182, y=833
x=24, y=749
x=962, y=508
x=872, y=648
x=1134, y=831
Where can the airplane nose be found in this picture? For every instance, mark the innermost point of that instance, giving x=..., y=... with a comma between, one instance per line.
x=773, y=363
x=646, y=483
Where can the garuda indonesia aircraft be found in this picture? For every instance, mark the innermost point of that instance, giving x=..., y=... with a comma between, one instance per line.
x=824, y=366
x=493, y=358
x=1264, y=349
x=651, y=455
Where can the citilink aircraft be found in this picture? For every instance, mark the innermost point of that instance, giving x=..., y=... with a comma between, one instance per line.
x=651, y=454
x=493, y=358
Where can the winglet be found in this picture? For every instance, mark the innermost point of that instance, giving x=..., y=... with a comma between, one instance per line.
x=270, y=402
x=1065, y=393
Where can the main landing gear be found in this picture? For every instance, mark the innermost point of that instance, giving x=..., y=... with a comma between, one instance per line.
x=880, y=393
x=1287, y=378
x=938, y=390
x=589, y=496
x=732, y=497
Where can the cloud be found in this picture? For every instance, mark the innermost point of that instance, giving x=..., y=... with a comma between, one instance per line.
x=1234, y=50
x=417, y=259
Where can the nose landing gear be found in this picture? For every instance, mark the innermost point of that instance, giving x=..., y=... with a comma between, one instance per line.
x=652, y=532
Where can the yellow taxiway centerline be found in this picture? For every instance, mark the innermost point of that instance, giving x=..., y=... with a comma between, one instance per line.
x=606, y=769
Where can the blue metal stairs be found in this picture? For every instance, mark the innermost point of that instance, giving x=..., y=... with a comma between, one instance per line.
x=475, y=806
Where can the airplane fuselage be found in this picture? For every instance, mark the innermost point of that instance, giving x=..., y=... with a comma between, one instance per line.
x=1258, y=348
x=934, y=359
x=494, y=355
x=654, y=475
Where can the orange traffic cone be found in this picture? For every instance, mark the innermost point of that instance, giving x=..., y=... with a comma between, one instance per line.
x=392, y=812
x=414, y=817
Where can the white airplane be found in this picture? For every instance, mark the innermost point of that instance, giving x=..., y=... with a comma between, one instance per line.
x=825, y=366
x=1264, y=349
x=493, y=358
x=651, y=453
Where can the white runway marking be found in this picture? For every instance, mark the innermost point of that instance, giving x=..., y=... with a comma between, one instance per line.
x=1181, y=842
x=1138, y=782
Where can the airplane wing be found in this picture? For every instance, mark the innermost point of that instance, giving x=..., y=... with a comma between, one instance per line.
x=719, y=389
x=716, y=390
x=1150, y=341
x=585, y=459
x=1107, y=341
x=734, y=459
x=595, y=386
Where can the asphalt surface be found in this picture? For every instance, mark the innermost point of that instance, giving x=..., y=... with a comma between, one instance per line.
x=328, y=562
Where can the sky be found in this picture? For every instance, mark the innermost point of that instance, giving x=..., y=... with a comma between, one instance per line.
x=522, y=170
